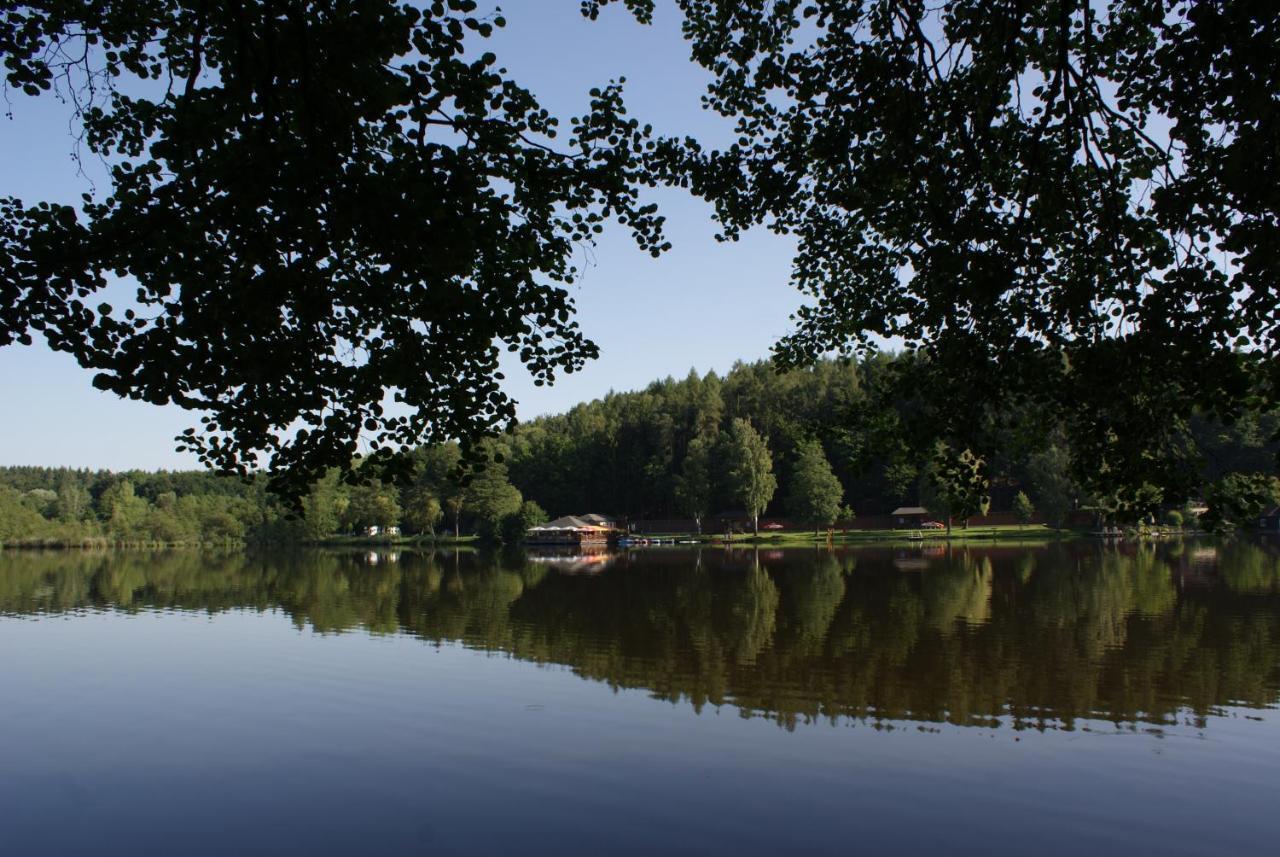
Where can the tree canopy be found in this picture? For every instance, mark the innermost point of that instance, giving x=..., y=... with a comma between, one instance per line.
x=750, y=470
x=815, y=493
x=694, y=485
x=1055, y=201
x=958, y=483
x=322, y=206
x=315, y=207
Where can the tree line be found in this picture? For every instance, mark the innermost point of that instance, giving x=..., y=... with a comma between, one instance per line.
x=840, y=439
x=813, y=444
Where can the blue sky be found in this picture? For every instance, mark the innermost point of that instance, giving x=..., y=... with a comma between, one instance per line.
x=703, y=305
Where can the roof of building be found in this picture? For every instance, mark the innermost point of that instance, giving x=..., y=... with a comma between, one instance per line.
x=1272, y=512
x=910, y=510
x=568, y=522
x=597, y=519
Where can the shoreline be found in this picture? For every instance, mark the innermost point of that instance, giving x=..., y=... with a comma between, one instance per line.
x=1006, y=534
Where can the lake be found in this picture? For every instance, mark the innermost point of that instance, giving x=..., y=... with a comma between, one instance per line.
x=1072, y=699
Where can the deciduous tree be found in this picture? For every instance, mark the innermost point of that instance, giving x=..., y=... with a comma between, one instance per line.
x=491, y=497
x=314, y=207
x=1067, y=205
x=1023, y=508
x=423, y=511
x=1055, y=490
x=517, y=523
x=960, y=487
x=1238, y=498
x=750, y=470
x=694, y=484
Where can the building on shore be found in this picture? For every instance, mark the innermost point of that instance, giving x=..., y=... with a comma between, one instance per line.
x=907, y=517
x=573, y=530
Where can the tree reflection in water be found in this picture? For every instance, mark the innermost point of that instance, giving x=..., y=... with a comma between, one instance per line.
x=1042, y=637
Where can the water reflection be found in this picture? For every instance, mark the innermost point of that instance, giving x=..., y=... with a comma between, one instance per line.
x=1042, y=638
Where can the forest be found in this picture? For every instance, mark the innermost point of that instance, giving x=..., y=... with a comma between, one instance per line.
x=808, y=444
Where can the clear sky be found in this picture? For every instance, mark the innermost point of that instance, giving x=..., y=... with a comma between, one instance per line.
x=703, y=305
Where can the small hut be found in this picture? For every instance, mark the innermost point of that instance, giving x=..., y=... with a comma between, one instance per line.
x=906, y=517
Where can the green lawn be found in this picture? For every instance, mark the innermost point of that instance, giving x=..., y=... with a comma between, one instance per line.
x=397, y=541
x=1010, y=533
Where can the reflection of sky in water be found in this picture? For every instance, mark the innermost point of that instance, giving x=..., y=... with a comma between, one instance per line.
x=236, y=733
x=179, y=704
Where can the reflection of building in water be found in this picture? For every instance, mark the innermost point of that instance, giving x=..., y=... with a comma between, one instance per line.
x=1202, y=566
x=910, y=560
x=586, y=559
x=1205, y=556
x=918, y=559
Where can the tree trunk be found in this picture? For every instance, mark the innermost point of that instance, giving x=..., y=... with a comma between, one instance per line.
x=697, y=522
x=755, y=525
x=948, y=525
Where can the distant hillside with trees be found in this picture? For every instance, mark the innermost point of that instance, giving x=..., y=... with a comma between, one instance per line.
x=668, y=450
x=810, y=444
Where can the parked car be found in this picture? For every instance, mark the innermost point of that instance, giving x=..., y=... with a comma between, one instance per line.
x=932, y=525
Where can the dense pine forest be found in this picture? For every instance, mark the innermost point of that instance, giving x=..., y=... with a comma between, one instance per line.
x=828, y=444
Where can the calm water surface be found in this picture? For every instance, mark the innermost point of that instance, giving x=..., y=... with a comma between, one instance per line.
x=1066, y=700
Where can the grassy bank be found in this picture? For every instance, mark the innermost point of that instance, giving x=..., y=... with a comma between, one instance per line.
x=104, y=543
x=1032, y=533
x=1007, y=535
x=397, y=541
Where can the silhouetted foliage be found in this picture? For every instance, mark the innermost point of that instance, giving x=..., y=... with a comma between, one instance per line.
x=316, y=207
x=1066, y=212
x=1067, y=204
